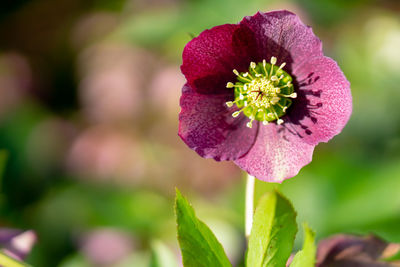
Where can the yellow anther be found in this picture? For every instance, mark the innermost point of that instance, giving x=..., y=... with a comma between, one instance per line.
x=230, y=85
x=229, y=104
x=235, y=114
x=258, y=92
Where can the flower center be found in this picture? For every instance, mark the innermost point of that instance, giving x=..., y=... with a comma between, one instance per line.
x=264, y=93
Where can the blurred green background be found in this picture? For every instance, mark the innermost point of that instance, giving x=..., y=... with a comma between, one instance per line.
x=89, y=103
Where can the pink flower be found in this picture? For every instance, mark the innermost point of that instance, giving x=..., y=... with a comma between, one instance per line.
x=262, y=94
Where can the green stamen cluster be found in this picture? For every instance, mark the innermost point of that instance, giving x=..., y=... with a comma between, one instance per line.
x=263, y=93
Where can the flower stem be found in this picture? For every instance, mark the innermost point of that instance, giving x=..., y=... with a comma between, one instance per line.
x=249, y=210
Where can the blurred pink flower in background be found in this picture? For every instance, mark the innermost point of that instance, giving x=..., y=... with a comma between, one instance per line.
x=107, y=153
x=107, y=246
x=164, y=93
x=113, y=75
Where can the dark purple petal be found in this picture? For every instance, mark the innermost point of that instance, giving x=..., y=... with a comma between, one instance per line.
x=206, y=126
x=353, y=251
x=6, y=234
x=283, y=35
x=276, y=155
x=324, y=102
x=19, y=243
x=208, y=60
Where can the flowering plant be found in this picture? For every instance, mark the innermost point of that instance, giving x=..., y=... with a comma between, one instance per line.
x=262, y=94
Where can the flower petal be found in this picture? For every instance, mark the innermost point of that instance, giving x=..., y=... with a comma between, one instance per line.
x=207, y=126
x=282, y=34
x=276, y=155
x=208, y=60
x=324, y=102
x=361, y=251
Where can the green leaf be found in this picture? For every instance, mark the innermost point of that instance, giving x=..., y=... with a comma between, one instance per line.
x=161, y=255
x=306, y=256
x=198, y=244
x=8, y=261
x=273, y=232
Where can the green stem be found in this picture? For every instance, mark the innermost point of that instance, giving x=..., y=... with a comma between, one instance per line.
x=249, y=210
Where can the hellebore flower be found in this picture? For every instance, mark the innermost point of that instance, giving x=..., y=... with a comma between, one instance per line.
x=262, y=94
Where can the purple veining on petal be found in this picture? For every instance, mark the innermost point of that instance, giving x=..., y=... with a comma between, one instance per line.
x=324, y=102
x=207, y=126
x=276, y=154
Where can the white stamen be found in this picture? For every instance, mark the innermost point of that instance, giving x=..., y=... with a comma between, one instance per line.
x=235, y=114
x=229, y=104
x=282, y=65
x=275, y=100
x=265, y=122
x=236, y=72
x=279, y=121
x=252, y=65
x=273, y=60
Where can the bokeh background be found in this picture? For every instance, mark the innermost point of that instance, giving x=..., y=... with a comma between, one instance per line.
x=89, y=103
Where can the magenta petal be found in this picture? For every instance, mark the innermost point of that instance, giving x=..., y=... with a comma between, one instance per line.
x=206, y=126
x=283, y=35
x=208, y=60
x=276, y=155
x=324, y=102
x=269, y=152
